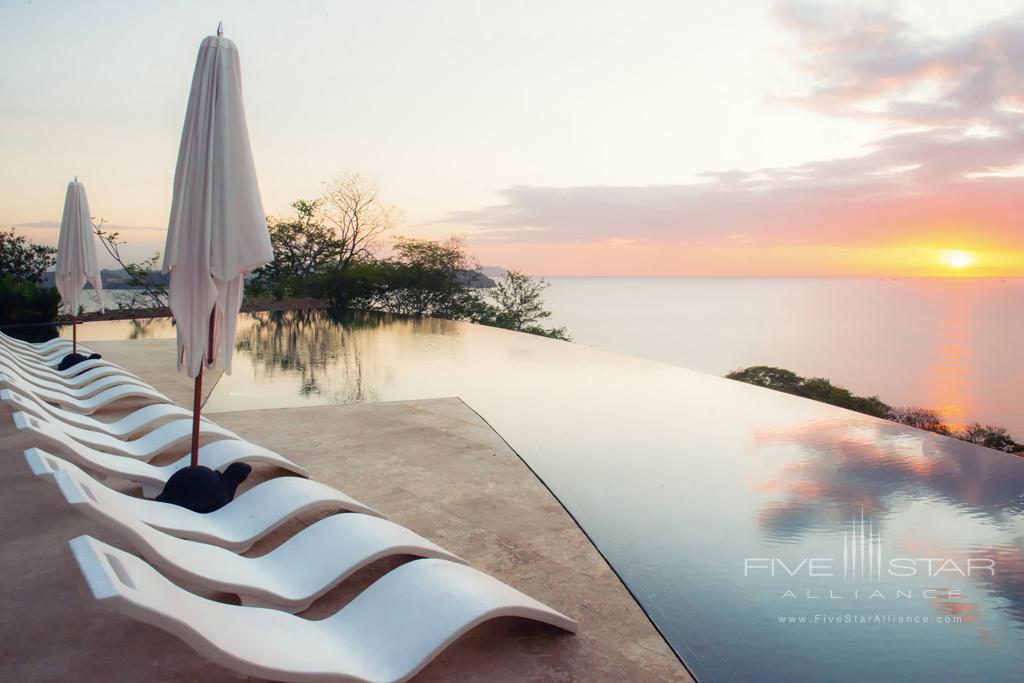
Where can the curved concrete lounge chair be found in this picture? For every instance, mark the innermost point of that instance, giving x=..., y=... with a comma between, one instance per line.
x=45, y=349
x=76, y=376
x=249, y=517
x=58, y=350
x=35, y=347
x=139, y=421
x=86, y=406
x=386, y=634
x=216, y=455
x=290, y=577
x=93, y=386
x=165, y=437
x=49, y=359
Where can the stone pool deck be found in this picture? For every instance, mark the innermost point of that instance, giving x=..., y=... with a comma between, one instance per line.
x=432, y=465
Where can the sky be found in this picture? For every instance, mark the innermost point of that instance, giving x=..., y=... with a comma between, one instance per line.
x=560, y=138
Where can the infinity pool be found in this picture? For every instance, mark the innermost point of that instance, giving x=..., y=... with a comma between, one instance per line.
x=768, y=537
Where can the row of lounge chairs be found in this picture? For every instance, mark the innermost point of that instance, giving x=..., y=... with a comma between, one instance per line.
x=388, y=632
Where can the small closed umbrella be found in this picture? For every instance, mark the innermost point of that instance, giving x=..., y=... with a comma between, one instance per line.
x=76, y=255
x=217, y=232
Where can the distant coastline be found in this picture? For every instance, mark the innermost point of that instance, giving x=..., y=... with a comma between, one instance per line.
x=114, y=279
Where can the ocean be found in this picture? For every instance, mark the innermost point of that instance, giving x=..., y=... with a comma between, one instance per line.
x=951, y=344
x=111, y=298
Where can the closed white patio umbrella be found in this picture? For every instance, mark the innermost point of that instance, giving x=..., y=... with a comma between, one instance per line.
x=217, y=232
x=76, y=255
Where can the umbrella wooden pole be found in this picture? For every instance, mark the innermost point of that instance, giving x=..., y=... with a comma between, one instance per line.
x=74, y=333
x=197, y=396
x=197, y=404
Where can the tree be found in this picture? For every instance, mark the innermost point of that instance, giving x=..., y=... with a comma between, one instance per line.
x=921, y=418
x=24, y=261
x=990, y=437
x=423, y=277
x=815, y=388
x=351, y=205
x=327, y=237
x=517, y=303
x=770, y=377
x=25, y=302
x=303, y=247
x=142, y=275
x=821, y=389
x=353, y=287
x=22, y=297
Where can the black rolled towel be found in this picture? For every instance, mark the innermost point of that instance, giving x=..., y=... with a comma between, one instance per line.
x=233, y=476
x=73, y=359
x=201, y=489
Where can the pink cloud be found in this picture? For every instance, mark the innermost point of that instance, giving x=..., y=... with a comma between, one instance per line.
x=859, y=56
x=944, y=171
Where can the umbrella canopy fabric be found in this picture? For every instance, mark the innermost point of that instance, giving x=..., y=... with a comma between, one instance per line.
x=76, y=250
x=217, y=232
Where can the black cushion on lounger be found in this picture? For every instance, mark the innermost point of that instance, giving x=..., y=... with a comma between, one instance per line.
x=201, y=489
x=73, y=359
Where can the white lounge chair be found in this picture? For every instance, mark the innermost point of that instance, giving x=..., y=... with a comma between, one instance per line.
x=36, y=347
x=167, y=436
x=94, y=386
x=137, y=422
x=60, y=348
x=86, y=406
x=42, y=349
x=386, y=634
x=290, y=577
x=249, y=517
x=50, y=358
x=216, y=456
x=74, y=377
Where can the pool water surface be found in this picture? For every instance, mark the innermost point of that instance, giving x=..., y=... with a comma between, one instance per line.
x=769, y=538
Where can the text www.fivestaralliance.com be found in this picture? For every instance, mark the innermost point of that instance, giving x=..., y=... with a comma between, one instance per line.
x=867, y=619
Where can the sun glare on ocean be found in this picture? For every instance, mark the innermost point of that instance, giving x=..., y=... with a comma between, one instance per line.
x=957, y=258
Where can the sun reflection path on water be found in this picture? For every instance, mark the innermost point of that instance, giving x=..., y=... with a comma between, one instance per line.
x=949, y=380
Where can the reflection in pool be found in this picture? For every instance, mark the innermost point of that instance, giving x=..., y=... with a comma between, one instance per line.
x=722, y=506
x=139, y=328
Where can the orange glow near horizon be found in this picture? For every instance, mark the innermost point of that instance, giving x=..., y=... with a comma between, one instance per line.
x=617, y=259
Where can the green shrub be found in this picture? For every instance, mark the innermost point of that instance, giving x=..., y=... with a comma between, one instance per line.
x=27, y=302
x=353, y=286
x=990, y=437
x=821, y=389
x=815, y=388
x=22, y=260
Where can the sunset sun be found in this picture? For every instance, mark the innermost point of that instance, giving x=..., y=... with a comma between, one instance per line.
x=957, y=258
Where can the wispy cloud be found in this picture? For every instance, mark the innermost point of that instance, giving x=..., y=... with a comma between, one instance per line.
x=951, y=164
x=869, y=63
x=36, y=224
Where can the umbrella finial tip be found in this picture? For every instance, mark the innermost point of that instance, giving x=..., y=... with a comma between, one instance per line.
x=76, y=179
x=220, y=28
